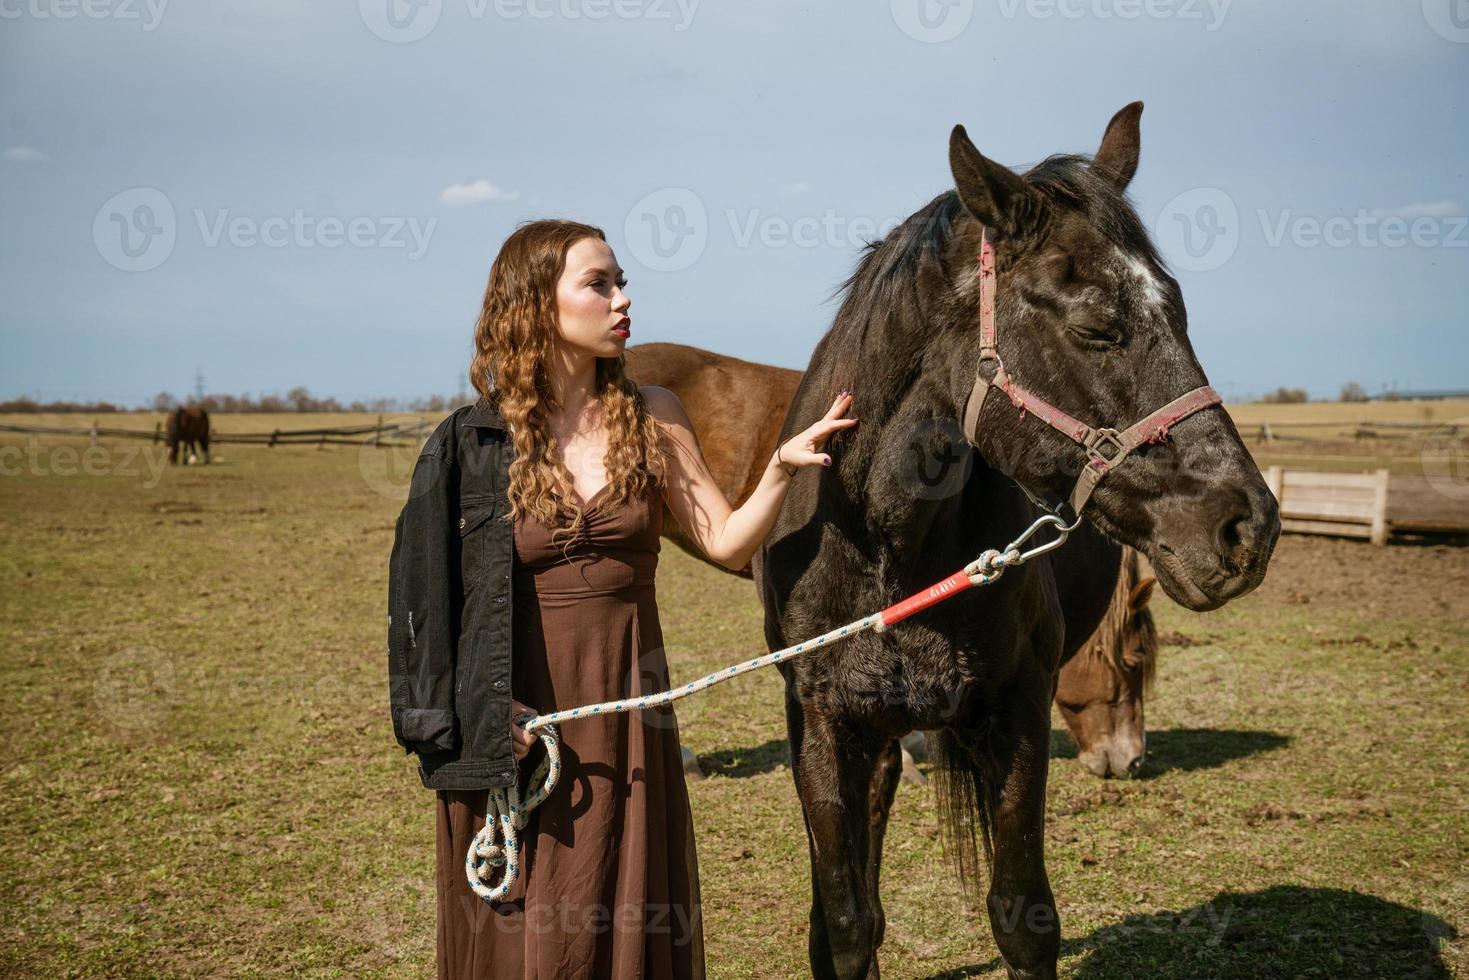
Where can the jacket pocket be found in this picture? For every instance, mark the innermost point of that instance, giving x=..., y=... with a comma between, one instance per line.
x=475, y=532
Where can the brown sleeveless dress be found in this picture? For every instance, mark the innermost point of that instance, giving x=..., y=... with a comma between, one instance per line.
x=609, y=883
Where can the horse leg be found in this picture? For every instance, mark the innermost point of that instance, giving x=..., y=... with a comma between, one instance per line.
x=834, y=781
x=1022, y=909
x=880, y=802
x=204, y=446
x=818, y=946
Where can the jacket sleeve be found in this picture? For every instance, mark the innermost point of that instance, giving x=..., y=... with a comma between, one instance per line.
x=423, y=627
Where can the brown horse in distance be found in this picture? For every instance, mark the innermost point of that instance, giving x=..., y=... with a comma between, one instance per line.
x=188, y=427
x=737, y=408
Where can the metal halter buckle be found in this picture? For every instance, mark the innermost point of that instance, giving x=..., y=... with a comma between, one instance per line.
x=1099, y=440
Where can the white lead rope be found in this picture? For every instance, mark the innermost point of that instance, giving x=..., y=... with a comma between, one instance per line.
x=507, y=810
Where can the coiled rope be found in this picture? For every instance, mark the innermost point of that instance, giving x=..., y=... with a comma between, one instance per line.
x=498, y=842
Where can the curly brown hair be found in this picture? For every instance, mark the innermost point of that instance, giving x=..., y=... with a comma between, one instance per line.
x=513, y=342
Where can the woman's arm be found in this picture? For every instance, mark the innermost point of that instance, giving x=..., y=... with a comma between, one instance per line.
x=730, y=537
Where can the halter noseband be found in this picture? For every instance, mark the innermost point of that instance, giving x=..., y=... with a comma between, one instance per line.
x=1105, y=448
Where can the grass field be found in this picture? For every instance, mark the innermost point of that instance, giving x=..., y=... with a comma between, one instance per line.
x=203, y=782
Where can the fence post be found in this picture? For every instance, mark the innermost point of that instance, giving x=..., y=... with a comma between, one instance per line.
x=157, y=432
x=273, y=435
x=1265, y=433
x=1379, y=509
x=1274, y=479
x=94, y=433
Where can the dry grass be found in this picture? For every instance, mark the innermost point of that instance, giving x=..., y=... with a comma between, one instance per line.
x=203, y=779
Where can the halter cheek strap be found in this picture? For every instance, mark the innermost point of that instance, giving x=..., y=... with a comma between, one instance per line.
x=1105, y=448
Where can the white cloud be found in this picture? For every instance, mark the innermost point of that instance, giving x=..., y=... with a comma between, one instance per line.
x=477, y=192
x=796, y=187
x=23, y=154
x=1423, y=209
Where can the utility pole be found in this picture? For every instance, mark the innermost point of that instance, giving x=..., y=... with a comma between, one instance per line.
x=199, y=385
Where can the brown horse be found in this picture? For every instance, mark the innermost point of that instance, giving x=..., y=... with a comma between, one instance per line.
x=1102, y=683
x=736, y=407
x=186, y=427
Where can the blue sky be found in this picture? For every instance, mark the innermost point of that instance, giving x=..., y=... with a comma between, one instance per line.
x=287, y=194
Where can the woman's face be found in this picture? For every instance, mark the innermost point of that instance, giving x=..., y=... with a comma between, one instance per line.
x=590, y=304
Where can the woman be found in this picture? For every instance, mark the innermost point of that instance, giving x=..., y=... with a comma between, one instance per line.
x=608, y=885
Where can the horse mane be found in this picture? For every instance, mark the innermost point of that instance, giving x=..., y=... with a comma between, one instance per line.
x=1119, y=625
x=883, y=286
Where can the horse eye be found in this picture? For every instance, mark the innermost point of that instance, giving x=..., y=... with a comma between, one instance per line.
x=1096, y=334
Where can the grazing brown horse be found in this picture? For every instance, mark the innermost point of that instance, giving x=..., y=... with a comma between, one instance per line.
x=737, y=407
x=1088, y=320
x=1102, y=682
x=186, y=427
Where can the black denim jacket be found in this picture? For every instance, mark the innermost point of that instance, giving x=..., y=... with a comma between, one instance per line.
x=449, y=605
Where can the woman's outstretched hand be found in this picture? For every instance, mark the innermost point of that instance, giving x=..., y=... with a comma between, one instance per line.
x=805, y=449
x=520, y=739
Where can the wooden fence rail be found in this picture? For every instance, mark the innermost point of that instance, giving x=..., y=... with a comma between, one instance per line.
x=1364, y=505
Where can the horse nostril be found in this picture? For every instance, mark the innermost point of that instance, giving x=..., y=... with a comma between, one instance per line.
x=1231, y=531
x=1135, y=766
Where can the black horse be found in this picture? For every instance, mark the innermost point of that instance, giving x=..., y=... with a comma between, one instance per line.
x=1089, y=319
x=188, y=427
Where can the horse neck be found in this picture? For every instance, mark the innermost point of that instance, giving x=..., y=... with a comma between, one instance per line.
x=906, y=526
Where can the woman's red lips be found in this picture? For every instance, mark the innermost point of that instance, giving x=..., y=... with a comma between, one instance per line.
x=623, y=328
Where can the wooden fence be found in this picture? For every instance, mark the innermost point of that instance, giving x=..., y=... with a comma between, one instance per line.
x=376, y=434
x=1364, y=505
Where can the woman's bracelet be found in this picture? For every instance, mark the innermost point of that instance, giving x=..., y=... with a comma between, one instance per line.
x=783, y=464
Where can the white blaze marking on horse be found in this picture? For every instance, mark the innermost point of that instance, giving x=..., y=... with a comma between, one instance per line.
x=1149, y=291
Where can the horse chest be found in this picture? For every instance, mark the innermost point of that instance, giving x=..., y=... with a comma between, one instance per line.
x=888, y=685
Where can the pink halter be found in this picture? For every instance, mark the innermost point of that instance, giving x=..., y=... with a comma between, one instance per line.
x=1105, y=448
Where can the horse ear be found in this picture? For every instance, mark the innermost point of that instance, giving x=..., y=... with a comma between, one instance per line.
x=995, y=195
x=1116, y=158
x=1140, y=594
